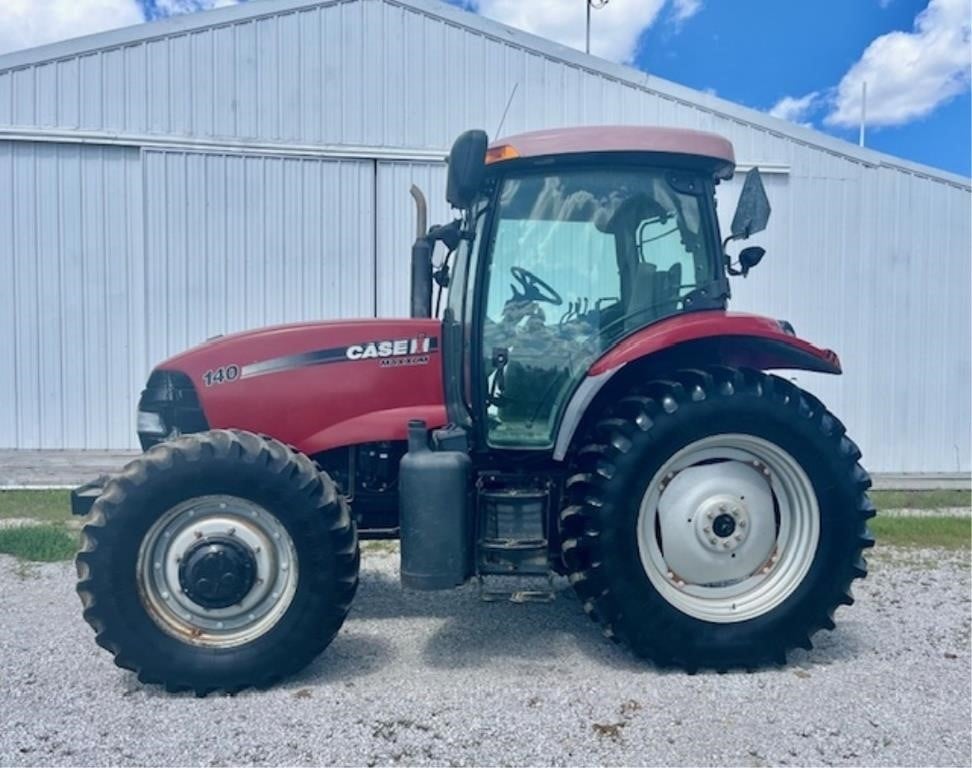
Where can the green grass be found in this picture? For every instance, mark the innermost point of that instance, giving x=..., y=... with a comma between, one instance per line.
x=45, y=543
x=920, y=499
x=53, y=541
x=55, y=506
x=922, y=532
x=49, y=506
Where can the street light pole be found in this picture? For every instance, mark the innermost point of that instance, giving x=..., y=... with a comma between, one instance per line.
x=587, y=49
x=596, y=5
x=860, y=139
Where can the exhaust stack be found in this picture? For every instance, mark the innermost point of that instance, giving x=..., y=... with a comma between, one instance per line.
x=421, y=258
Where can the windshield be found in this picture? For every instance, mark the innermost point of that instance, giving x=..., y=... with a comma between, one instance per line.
x=580, y=259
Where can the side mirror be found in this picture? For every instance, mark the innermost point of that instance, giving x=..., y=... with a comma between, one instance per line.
x=467, y=167
x=753, y=208
x=750, y=257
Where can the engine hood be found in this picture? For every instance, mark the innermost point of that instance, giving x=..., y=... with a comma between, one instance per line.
x=261, y=344
x=320, y=385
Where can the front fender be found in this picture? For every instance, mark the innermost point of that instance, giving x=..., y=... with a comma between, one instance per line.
x=713, y=337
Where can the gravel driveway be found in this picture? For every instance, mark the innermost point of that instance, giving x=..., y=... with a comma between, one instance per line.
x=445, y=679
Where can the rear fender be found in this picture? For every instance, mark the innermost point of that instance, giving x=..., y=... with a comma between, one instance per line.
x=691, y=341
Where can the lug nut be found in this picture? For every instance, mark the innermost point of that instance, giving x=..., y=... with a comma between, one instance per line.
x=707, y=530
x=722, y=507
x=231, y=532
x=198, y=534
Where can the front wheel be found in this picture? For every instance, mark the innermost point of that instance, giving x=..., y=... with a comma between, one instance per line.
x=218, y=560
x=716, y=519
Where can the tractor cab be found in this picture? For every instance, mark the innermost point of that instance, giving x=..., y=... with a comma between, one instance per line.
x=570, y=241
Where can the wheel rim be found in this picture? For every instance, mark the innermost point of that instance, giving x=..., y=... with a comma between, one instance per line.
x=217, y=571
x=728, y=528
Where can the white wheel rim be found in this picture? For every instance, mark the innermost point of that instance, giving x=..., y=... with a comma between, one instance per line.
x=257, y=531
x=771, y=541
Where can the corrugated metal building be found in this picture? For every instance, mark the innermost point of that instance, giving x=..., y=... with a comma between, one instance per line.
x=250, y=165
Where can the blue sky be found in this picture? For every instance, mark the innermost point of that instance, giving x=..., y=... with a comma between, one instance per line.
x=759, y=51
x=802, y=60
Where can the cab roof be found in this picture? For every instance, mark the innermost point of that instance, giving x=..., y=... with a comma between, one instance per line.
x=617, y=138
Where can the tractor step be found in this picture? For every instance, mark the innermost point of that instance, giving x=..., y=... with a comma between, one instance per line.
x=511, y=519
x=518, y=592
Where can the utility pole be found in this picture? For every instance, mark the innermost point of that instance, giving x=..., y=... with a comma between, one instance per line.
x=596, y=5
x=860, y=140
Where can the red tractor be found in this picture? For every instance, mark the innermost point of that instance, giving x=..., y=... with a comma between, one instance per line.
x=583, y=404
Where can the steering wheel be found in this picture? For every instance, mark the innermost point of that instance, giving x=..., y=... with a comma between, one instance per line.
x=534, y=289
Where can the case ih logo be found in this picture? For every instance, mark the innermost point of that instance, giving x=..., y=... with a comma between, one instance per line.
x=420, y=345
x=388, y=353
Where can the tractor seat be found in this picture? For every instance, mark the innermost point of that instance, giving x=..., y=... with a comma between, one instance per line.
x=653, y=295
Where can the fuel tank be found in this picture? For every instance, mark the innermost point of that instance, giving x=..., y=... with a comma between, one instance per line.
x=319, y=386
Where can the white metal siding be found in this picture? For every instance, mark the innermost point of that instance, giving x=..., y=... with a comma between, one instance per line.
x=230, y=242
x=876, y=265
x=72, y=327
x=865, y=254
x=396, y=228
x=235, y=242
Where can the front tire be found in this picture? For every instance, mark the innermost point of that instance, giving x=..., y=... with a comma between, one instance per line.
x=218, y=560
x=716, y=519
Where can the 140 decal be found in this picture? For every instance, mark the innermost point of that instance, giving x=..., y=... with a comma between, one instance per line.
x=221, y=375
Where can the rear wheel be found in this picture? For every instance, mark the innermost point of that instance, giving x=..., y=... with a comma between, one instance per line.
x=218, y=560
x=716, y=519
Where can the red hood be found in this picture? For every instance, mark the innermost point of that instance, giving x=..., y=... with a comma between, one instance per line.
x=321, y=385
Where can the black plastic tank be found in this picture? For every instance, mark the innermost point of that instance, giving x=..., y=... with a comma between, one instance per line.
x=434, y=514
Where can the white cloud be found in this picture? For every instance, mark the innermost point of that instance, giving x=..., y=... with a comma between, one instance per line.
x=794, y=109
x=26, y=23
x=909, y=74
x=615, y=29
x=686, y=9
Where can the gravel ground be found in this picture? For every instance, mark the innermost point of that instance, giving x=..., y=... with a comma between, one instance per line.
x=445, y=679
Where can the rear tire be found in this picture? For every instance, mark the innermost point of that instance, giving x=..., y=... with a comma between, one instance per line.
x=618, y=546
x=266, y=508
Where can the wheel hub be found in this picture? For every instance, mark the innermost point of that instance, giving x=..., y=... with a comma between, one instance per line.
x=722, y=522
x=217, y=572
x=717, y=523
x=723, y=526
